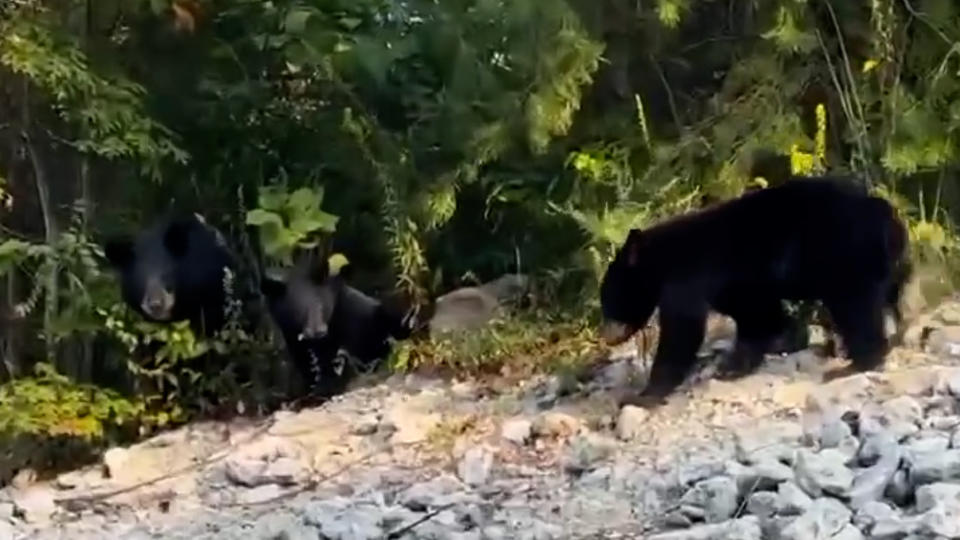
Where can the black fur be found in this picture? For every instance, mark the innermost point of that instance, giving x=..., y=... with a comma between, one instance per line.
x=319, y=314
x=814, y=239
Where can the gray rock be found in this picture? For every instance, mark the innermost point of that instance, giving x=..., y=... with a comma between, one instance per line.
x=824, y=519
x=900, y=490
x=935, y=467
x=714, y=500
x=791, y=500
x=944, y=342
x=692, y=473
x=901, y=416
x=677, y=520
x=876, y=446
x=952, y=383
x=745, y=528
x=366, y=425
x=763, y=476
x=337, y=519
x=894, y=528
x=35, y=504
x=113, y=460
x=848, y=532
x=7, y=530
x=823, y=472
x=6, y=510
x=426, y=495
x=556, y=424
x=540, y=530
x=617, y=373
x=282, y=525
x=585, y=451
x=870, y=484
x=942, y=423
x=632, y=422
x=285, y=471
x=775, y=441
x=475, y=466
x=826, y=428
x=517, y=430
x=934, y=443
x=871, y=513
x=955, y=439
x=259, y=494
x=472, y=307
x=763, y=504
x=940, y=504
x=245, y=471
x=494, y=532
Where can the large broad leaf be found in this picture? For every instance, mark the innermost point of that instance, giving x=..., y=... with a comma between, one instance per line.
x=296, y=21
x=260, y=217
x=305, y=200
x=271, y=199
x=317, y=221
x=373, y=57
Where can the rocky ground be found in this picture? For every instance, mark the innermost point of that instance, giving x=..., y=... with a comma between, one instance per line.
x=779, y=454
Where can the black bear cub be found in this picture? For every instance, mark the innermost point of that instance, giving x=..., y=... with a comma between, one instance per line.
x=319, y=314
x=174, y=271
x=809, y=239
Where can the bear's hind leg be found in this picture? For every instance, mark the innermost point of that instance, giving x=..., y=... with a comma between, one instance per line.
x=859, y=319
x=759, y=324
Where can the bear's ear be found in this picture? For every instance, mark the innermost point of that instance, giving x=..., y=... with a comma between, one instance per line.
x=176, y=238
x=318, y=268
x=272, y=287
x=119, y=252
x=344, y=271
x=634, y=244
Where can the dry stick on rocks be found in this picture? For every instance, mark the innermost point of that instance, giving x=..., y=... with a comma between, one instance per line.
x=316, y=482
x=213, y=457
x=398, y=533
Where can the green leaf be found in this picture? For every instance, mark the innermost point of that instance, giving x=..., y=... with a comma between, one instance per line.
x=350, y=23
x=305, y=200
x=159, y=6
x=296, y=21
x=259, y=217
x=336, y=262
x=270, y=198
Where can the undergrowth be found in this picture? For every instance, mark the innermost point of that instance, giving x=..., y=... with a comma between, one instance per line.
x=49, y=422
x=515, y=345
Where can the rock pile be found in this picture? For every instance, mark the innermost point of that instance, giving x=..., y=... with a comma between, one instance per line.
x=889, y=470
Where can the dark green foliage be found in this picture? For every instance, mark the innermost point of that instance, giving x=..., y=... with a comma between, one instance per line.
x=453, y=141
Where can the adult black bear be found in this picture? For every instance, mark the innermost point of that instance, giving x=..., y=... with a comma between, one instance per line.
x=811, y=239
x=175, y=271
x=318, y=314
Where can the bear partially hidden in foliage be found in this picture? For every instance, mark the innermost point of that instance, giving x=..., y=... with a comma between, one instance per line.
x=175, y=271
x=319, y=314
x=809, y=239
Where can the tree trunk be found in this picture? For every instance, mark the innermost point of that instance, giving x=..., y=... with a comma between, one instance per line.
x=49, y=224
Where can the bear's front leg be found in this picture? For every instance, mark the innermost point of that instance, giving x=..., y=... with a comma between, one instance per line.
x=681, y=333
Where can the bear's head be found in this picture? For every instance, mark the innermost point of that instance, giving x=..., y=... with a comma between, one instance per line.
x=150, y=266
x=629, y=291
x=302, y=303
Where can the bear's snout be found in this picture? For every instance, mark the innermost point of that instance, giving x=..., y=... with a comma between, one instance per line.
x=615, y=333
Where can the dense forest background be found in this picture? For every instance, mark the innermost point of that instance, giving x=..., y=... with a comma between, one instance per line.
x=435, y=144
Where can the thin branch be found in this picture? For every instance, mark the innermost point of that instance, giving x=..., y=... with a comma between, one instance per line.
x=666, y=87
x=398, y=533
